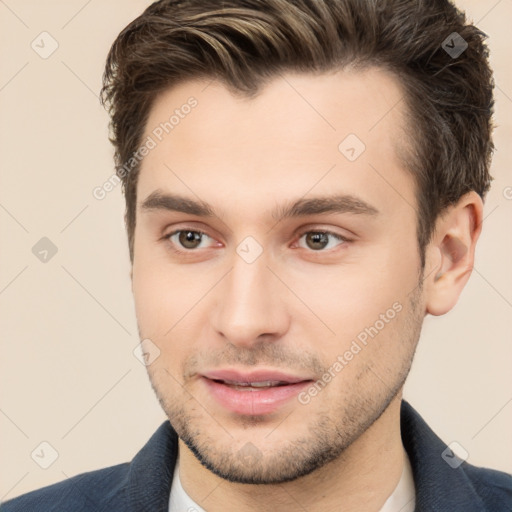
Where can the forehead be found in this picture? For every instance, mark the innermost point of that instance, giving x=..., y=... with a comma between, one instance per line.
x=301, y=132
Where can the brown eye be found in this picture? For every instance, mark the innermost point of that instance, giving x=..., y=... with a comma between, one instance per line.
x=186, y=239
x=319, y=240
x=190, y=239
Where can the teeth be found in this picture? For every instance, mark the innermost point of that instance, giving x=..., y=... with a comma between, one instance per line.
x=262, y=384
x=265, y=384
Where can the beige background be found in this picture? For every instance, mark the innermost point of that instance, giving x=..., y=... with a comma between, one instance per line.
x=68, y=373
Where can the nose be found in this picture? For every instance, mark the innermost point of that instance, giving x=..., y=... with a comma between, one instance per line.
x=250, y=306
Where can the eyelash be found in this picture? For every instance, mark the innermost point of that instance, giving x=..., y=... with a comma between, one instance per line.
x=339, y=237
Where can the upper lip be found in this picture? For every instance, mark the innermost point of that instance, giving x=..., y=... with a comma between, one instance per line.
x=232, y=375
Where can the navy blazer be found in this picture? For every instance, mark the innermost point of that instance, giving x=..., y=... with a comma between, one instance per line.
x=144, y=484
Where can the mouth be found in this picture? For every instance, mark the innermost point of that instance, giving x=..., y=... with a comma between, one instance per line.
x=255, y=393
x=256, y=377
x=251, y=386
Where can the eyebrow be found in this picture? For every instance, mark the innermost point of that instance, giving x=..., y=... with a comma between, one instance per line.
x=340, y=203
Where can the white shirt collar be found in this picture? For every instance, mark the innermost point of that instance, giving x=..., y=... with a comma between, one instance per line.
x=403, y=498
x=179, y=500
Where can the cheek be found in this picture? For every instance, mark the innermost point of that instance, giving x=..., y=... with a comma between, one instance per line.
x=158, y=311
x=367, y=303
x=156, y=285
x=168, y=309
x=353, y=297
x=155, y=297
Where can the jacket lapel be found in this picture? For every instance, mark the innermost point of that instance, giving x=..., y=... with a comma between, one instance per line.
x=151, y=471
x=439, y=487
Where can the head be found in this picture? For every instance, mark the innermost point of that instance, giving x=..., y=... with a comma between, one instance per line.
x=275, y=103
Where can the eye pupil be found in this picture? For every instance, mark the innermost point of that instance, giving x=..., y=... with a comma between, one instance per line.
x=317, y=238
x=189, y=238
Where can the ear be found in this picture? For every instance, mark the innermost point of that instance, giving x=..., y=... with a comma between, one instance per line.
x=450, y=253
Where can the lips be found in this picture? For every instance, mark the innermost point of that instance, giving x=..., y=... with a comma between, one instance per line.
x=235, y=377
x=257, y=384
x=258, y=392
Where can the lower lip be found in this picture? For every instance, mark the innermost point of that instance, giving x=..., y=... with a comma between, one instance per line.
x=253, y=401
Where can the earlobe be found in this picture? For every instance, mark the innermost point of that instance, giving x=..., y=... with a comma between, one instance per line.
x=451, y=253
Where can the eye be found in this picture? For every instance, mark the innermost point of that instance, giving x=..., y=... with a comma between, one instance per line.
x=187, y=239
x=319, y=240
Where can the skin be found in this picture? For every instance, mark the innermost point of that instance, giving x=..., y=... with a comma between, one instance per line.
x=296, y=307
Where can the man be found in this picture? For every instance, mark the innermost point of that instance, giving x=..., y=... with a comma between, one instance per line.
x=304, y=182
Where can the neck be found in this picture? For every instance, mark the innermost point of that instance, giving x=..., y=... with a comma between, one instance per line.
x=361, y=479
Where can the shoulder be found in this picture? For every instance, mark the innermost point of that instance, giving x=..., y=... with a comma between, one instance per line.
x=98, y=490
x=494, y=487
x=443, y=481
x=142, y=484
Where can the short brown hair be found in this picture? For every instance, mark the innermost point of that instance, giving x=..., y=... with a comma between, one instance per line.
x=246, y=43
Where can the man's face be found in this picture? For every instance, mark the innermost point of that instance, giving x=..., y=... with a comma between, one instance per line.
x=257, y=291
